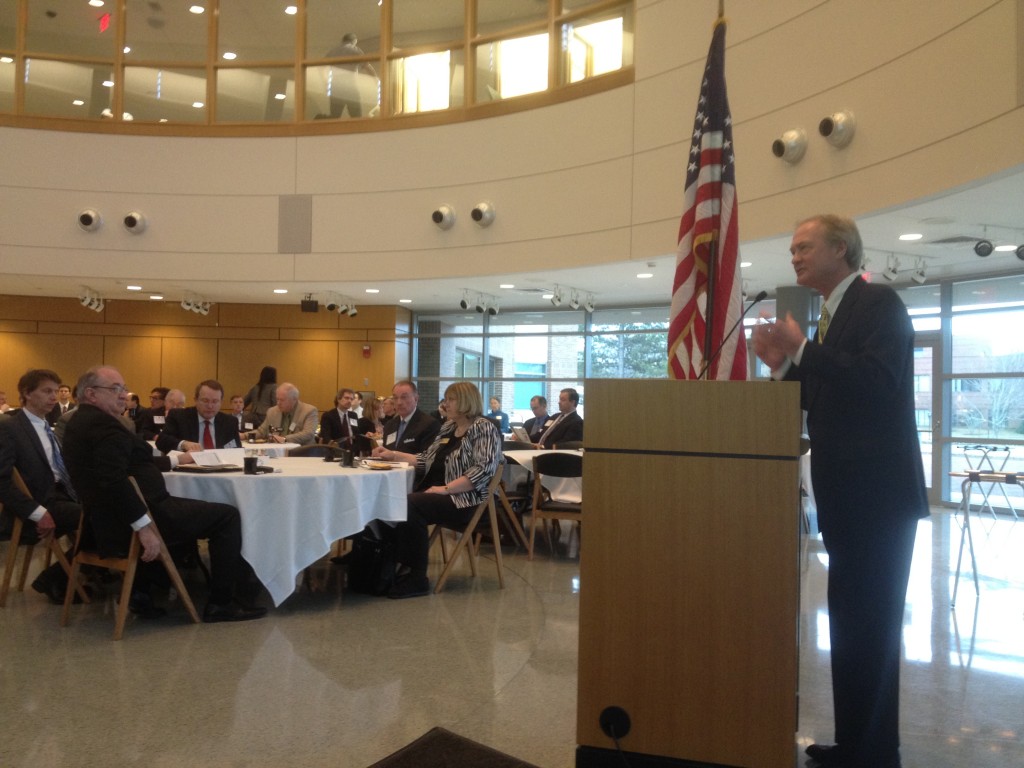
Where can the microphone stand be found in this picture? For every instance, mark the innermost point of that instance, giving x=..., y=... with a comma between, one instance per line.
x=760, y=297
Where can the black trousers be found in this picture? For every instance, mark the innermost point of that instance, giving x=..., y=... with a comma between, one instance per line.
x=412, y=537
x=66, y=513
x=868, y=571
x=186, y=520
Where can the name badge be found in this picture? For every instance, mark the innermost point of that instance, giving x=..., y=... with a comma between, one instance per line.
x=248, y=425
x=159, y=420
x=390, y=438
x=445, y=441
x=549, y=422
x=353, y=423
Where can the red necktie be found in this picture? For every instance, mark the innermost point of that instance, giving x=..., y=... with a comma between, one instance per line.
x=207, y=437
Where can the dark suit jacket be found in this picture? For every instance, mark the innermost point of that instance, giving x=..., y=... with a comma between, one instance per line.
x=331, y=427
x=21, y=449
x=147, y=426
x=858, y=390
x=568, y=429
x=418, y=435
x=101, y=454
x=529, y=425
x=183, y=424
x=56, y=413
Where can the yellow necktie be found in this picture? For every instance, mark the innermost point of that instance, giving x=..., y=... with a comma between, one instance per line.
x=823, y=322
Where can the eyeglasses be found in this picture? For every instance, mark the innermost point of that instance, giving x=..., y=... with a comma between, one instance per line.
x=117, y=389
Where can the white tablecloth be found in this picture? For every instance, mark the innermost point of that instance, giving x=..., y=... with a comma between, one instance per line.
x=291, y=518
x=568, y=489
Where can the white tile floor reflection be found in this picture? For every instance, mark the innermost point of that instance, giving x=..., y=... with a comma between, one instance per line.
x=333, y=679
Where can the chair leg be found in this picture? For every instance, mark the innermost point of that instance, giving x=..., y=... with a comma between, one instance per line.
x=493, y=514
x=65, y=613
x=179, y=585
x=53, y=550
x=126, y=590
x=25, y=563
x=460, y=545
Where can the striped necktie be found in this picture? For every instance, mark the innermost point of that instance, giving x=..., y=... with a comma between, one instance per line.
x=58, y=464
x=823, y=322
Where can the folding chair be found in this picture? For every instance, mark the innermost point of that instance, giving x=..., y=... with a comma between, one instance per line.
x=470, y=538
x=127, y=565
x=568, y=465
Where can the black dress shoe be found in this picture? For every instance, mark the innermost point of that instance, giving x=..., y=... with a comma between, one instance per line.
x=232, y=612
x=410, y=586
x=825, y=754
x=142, y=605
x=55, y=591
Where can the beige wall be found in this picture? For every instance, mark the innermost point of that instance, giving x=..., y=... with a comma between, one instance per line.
x=158, y=343
x=935, y=85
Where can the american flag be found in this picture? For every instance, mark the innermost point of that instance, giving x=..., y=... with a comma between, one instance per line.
x=708, y=230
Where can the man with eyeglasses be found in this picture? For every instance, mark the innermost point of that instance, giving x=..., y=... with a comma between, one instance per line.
x=101, y=455
x=201, y=427
x=151, y=420
x=411, y=430
x=290, y=421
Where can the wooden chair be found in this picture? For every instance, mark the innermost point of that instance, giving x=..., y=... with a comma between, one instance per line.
x=553, y=465
x=127, y=565
x=49, y=541
x=470, y=538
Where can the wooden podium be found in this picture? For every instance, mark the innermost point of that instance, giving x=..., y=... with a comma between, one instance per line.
x=689, y=591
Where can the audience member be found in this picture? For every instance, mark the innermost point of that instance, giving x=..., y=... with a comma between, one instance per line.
x=454, y=474
x=101, y=456
x=154, y=417
x=357, y=404
x=388, y=407
x=27, y=444
x=175, y=399
x=535, y=427
x=340, y=425
x=290, y=421
x=239, y=414
x=63, y=405
x=4, y=407
x=201, y=427
x=498, y=416
x=412, y=430
x=260, y=398
x=567, y=426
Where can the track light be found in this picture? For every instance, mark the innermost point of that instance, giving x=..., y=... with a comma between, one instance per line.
x=588, y=305
x=90, y=220
x=574, y=300
x=444, y=217
x=89, y=299
x=1020, y=252
x=919, y=275
x=464, y=304
x=791, y=146
x=135, y=222
x=893, y=269
x=983, y=247
x=556, y=297
x=483, y=214
x=352, y=311
x=838, y=128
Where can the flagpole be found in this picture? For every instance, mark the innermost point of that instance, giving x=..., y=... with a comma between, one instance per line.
x=721, y=8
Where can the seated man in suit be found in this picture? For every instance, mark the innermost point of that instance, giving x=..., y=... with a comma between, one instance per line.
x=341, y=424
x=27, y=444
x=411, y=430
x=535, y=427
x=290, y=421
x=151, y=420
x=63, y=405
x=568, y=425
x=102, y=454
x=238, y=413
x=201, y=427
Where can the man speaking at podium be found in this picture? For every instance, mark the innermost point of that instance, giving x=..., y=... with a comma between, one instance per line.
x=856, y=384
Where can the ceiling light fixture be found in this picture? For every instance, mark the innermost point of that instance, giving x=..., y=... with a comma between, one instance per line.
x=557, y=297
x=919, y=275
x=893, y=269
x=588, y=305
x=911, y=236
x=574, y=300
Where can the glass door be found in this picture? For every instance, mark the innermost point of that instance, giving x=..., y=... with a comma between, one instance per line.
x=928, y=413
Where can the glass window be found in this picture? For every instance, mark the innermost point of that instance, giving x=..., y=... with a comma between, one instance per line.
x=248, y=31
x=507, y=68
x=329, y=21
x=165, y=32
x=494, y=16
x=343, y=90
x=8, y=26
x=165, y=95
x=71, y=28
x=427, y=22
x=629, y=346
x=595, y=45
x=988, y=408
x=6, y=84
x=988, y=342
x=64, y=89
x=996, y=292
x=256, y=95
x=428, y=82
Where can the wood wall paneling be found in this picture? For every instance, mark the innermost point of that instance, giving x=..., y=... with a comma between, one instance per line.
x=138, y=359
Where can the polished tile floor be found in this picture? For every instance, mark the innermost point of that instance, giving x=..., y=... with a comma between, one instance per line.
x=334, y=679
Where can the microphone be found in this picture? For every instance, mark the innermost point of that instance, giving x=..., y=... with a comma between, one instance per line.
x=760, y=297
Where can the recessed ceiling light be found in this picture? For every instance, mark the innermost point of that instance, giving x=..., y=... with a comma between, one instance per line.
x=108, y=83
x=78, y=102
x=291, y=10
x=96, y=3
x=644, y=275
x=547, y=296
x=506, y=285
x=6, y=60
x=373, y=290
x=280, y=290
x=280, y=96
x=911, y=236
x=405, y=301
x=127, y=49
x=198, y=104
x=196, y=9
x=230, y=55
x=746, y=264
x=133, y=287
x=1005, y=248
x=156, y=297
